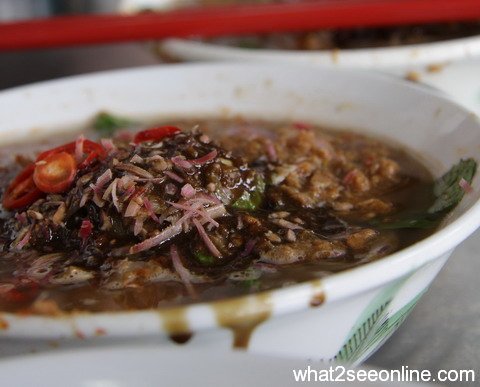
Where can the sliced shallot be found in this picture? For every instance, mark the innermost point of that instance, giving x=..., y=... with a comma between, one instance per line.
x=179, y=161
x=205, y=159
x=25, y=239
x=102, y=180
x=135, y=170
x=149, y=207
x=182, y=271
x=79, y=148
x=208, y=242
x=187, y=191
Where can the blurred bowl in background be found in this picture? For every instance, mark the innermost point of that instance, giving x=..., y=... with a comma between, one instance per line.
x=398, y=60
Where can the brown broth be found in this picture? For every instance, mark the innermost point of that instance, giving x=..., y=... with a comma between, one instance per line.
x=89, y=296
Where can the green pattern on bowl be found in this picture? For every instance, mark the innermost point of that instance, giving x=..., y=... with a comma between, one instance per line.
x=390, y=324
x=375, y=325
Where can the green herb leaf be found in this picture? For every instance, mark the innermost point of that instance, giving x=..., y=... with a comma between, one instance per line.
x=447, y=188
x=204, y=259
x=107, y=124
x=411, y=221
x=251, y=200
x=448, y=194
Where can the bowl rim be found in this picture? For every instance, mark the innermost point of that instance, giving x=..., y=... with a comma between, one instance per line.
x=339, y=286
x=374, y=57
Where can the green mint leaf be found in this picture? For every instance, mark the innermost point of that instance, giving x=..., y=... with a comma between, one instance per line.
x=251, y=200
x=447, y=188
x=448, y=194
x=107, y=124
x=204, y=259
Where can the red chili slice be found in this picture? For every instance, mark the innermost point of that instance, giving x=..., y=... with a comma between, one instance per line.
x=25, y=291
x=55, y=173
x=52, y=177
x=91, y=148
x=22, y=191
x=155, y=134
x=86, y=229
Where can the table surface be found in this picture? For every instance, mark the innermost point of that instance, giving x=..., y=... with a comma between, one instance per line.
x=443, y=331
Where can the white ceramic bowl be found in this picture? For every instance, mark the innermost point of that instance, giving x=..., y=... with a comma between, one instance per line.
x=397, y=60
x=153, y=366
x=344, y=316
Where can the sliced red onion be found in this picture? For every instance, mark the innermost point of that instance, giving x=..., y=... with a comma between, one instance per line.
x=216, y=211
x=108, y=191
x=157, y=240
x=135, y=170
x=129, y=192
x=187, y=215
x=206, y=218
x=115, y=201
x=182, y=271
x=186, y=206
x=138, y=226
x=79, y=148
x=205, y=159
x=127, y=181
x=208, y=242
x=154, y=180
x=208, y=198
x=102, y=180
x=465, y=185
x=108, y=145
x=139, y=194
x=173, y=230
x=155, y=158
x=149, y=207
x=193, y=208
x=136, y=159
x=173, y=176
x=188, y=191
x=179, y=161
x=25, y=239
x=132, y=209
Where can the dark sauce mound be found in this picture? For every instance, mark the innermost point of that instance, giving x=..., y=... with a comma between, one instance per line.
x=280, y=203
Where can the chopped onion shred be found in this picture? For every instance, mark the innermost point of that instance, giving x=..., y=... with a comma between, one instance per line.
x=182, y=271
